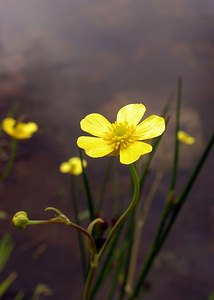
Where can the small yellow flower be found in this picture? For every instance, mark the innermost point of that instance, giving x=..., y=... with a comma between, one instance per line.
x=124, y=137
x=185, y=138
x=19, y=130
x=73, y=166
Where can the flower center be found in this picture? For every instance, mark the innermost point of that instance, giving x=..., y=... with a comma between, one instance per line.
x=120, y=135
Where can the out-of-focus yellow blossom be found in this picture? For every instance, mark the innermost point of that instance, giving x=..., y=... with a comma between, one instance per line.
x=19, y=130
x=185, y=138
x=73, y=166
x=124, y=137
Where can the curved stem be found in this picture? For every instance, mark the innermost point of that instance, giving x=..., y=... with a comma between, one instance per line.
x=122, y=218
x=114, y=230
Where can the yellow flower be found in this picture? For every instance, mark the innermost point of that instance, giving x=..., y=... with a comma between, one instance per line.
x=185, y=138
x=124, y=137
x=19, y=130
x=73, y=166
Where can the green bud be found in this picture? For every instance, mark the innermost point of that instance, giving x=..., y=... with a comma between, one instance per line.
x=20, y=219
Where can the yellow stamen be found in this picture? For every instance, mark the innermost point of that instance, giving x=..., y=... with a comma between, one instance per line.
x=120, y=135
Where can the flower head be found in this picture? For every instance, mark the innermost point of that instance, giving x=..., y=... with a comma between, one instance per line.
x=19, y=130
x=185, y=138
x=20, y=219
x=73, y=166
x=124, y=137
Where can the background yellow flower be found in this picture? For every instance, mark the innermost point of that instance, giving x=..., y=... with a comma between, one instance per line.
x=19, y=130
x=185, y=138
x=124, y=137
x=73, y=166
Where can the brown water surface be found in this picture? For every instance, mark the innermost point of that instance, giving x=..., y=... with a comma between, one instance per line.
x=60, y=60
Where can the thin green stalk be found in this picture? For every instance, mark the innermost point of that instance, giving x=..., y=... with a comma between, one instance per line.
x=77, y=221
x=106, y=265
x=120, y=259
x=169, y=204
x=131, y=206
x=88, y=283
x=114, y=230
x=11, y=160
x=6, y=283
x=129, y=235
x=181, y=199
x=139, y=224
x=113, y=286
x=157, y=244
x=88, y=190
x=177, y=143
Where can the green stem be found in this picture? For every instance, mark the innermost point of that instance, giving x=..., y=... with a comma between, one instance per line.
x=11, y=160
x=169, y=204
x=177, y=127
x=88, y=284
x=186, y=190
x=77, y=221
x=66, y=221
x=118, y=271
x=130, y=238
x=88, y=190
x=140, y=222
x=122, y=218
x=106, y=265
x=114, y=230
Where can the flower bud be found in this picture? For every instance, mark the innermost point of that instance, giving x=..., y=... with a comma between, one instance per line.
x=20, y=219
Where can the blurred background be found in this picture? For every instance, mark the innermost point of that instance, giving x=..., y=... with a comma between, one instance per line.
x=60, y=60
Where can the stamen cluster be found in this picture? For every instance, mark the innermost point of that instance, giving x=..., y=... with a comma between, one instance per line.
x=120, y=135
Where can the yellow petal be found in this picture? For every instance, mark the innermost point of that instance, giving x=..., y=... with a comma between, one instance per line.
x=94, y=147
x=77, y=161
x=95, y=124
x=19, y=130
x=76, y=165
x=25, y=130
x=131, y=113
x=185, y=138
x=133, y=152
x=8, y=125
x=151, y=127
x=64, y=167
x=31, y=127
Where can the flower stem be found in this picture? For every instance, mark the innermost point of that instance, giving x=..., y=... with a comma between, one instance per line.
x=122, y=218
x=11, y=160
x=140, y=222
x=114, y=230
x=106, y=265
x=77, y=221
x=177, y=127
x=88, y=190
x=88, y=284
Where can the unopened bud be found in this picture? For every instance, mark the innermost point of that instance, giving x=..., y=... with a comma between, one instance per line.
x=20, y=219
